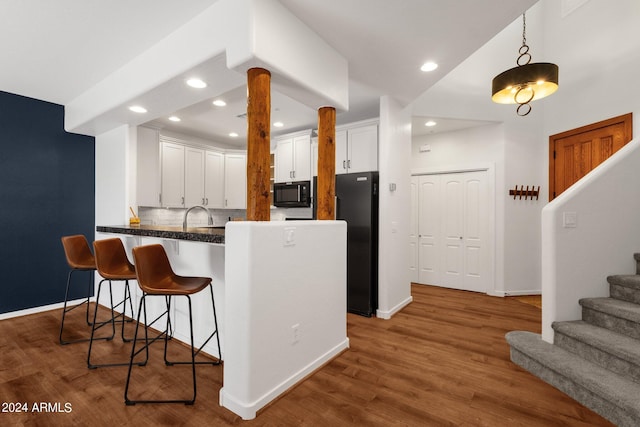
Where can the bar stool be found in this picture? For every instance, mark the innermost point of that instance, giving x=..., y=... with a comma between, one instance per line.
x=79, y=258
x=113, y=265
x=156, y=278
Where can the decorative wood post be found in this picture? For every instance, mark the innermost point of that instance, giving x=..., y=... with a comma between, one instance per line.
x=325, y=205
x=258, y=144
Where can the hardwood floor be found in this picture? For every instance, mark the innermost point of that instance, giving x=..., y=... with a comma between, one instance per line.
x=443, y=360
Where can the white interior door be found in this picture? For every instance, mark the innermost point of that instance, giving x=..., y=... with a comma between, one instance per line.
x=453, y=222
x=413, y=232
x=429, y=229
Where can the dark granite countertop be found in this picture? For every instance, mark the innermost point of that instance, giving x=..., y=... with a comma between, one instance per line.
x=194, y=234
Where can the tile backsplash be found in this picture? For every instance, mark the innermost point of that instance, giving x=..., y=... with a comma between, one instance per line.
x=175, y=216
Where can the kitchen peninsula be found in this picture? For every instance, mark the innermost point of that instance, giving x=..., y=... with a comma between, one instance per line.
x=280, y=290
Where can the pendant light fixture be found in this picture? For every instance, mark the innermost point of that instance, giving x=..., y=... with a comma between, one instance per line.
x=526, y=82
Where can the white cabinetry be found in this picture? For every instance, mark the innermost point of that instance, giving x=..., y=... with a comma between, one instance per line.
x=293, y=157
x=357, y=148
x=194, y=176
x=235, y=181
x=172, y=174
x=148, y=168
x=214, y=180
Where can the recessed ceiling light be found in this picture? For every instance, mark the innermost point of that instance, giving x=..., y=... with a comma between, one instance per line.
x=174, y=118
x=196, y=83
x=137, y=109
x=429, y=66
x=233, y=135
x=430, y=123
x=219, y=103
x=278, y=124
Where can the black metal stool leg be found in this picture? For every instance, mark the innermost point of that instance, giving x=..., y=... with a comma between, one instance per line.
x=65, y=310
x=215, y=333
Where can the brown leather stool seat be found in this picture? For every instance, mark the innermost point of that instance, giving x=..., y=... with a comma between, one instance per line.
x=156, y=278
x=113, y=265
x=79, y=258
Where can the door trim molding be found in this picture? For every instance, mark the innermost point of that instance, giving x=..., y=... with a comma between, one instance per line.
x=440, y=170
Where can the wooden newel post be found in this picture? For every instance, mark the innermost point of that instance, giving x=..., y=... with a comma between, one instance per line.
x=258, y=144
x=325, y=206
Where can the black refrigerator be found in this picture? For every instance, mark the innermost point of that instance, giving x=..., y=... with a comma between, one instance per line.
x=357, y=204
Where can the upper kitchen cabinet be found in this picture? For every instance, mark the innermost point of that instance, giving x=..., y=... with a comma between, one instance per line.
x=293, y=157
x=235, y=181
x=148, y=168
x=214, y=180
x=192, y=176
x=172, y=173
x=357, y=147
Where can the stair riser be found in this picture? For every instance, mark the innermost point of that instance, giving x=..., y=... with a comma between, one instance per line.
x=599, y=405
x=610, y=322
x=624, y=293
x=597, y=356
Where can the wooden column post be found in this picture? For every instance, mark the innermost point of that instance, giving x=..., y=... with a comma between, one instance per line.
x=325, y=205
x=258, y=144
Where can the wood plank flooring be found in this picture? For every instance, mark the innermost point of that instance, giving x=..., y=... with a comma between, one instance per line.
x=442, y=361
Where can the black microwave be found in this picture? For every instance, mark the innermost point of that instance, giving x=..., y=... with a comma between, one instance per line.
x=292, y=194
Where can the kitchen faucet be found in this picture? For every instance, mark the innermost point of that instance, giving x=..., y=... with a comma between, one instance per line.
x=184, y=221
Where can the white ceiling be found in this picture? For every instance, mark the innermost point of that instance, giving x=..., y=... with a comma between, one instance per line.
x=56, y=50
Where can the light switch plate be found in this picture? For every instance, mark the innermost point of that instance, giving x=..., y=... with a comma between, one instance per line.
x=569, y=219
x=289, y=236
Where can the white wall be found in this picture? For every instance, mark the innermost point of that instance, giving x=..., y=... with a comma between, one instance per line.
x=576, y=261
x=598, y=53
x=114, y=171
x=394, y=145
x=286, y=307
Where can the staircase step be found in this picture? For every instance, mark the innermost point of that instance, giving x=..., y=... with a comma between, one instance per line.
x=625, y=287
x=617, y=315
x=610, y=395
x=616, y=352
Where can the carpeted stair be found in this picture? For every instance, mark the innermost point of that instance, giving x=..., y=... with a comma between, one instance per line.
x=595, y=360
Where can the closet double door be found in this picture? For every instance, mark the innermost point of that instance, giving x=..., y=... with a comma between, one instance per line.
x=450, y=230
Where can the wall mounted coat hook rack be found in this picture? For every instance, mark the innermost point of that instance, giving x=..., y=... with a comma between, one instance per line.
x=534, y=192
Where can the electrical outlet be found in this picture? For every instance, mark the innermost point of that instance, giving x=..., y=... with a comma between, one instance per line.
x=295, y=333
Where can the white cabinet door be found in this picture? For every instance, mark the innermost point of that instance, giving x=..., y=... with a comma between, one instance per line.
x=284, y=160
x=293, y=158
x=194, y=177
x=302, y=158
x=341, y=152
x=362, y=149
x=148, y=168
x=314, y=157
x=235, y=181
x=172, y=180
x=214, y=180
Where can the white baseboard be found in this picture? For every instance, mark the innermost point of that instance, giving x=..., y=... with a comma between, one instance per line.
x=34, y=310
x=387, y=314
x=248, y=410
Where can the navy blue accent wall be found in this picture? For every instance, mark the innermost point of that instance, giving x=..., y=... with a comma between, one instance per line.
x=47, y=190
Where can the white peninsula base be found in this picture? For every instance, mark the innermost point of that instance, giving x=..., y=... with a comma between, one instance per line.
x=285, y=307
